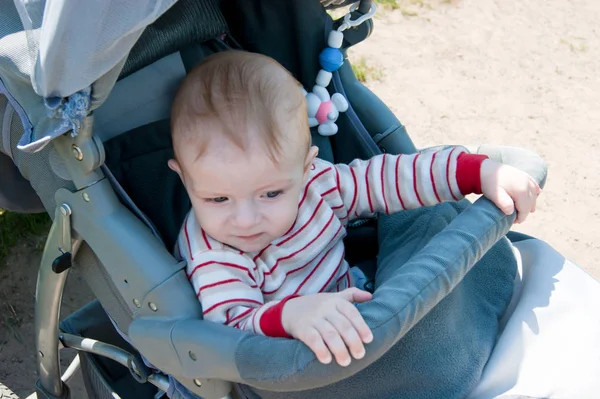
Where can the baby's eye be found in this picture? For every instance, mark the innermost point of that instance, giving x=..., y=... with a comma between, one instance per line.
x=273, y=194
x=217, y=200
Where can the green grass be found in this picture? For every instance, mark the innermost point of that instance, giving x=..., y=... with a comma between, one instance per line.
x=575, y=43
x=407, y=7
x=365, y=72
x=393, y=4
x=15, y=227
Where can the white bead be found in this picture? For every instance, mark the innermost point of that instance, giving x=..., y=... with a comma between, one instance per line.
x=324, y=78
x=327, y=129
x=340, y=102
x=313, y=102
x=335, y=39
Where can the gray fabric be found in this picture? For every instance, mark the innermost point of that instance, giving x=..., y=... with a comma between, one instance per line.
x=80, y=41
x=444, y=354
x=188, y=22
x=36, y=169
x=139, y=99
x=67, y=59
x=9, y=18
x=50, y=67
x=15, y=67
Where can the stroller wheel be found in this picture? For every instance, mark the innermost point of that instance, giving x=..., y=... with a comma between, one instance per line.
x=6, y=393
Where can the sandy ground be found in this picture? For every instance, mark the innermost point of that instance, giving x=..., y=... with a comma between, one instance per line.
x=505, y=72
x=485, y=71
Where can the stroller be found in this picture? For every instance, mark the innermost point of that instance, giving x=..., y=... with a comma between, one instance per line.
x=85, y=90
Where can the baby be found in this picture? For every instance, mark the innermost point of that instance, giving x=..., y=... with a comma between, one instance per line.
x=263, y=242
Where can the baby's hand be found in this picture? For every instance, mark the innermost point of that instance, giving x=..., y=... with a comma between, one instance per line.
x=328, y=323
x=509, y=187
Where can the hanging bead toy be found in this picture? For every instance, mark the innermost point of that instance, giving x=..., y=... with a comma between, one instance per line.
x=323, y=109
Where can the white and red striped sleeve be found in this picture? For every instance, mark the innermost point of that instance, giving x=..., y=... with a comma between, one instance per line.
x=227, y=287
x=391, y=183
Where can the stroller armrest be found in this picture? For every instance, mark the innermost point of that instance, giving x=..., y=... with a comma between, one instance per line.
x=276, y=364
x=189, y=348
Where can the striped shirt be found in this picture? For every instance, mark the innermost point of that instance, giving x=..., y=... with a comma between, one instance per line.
x=248, y=290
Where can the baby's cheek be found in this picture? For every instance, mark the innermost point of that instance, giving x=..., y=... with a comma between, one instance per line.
x=288, y=216
x=211, y=221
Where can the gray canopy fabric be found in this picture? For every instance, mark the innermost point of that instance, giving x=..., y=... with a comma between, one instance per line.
x=73, y=43
x=59, y=59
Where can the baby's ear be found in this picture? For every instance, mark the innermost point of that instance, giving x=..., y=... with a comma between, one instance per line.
x=313, y=151
x=174, y=166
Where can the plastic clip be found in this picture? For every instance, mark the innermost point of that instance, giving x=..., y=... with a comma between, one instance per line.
x=350, y=23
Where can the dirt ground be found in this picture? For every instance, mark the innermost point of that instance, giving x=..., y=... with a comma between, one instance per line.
x=473, y=71
x=521, y=73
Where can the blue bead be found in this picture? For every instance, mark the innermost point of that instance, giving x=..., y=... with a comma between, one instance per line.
x=331, y=59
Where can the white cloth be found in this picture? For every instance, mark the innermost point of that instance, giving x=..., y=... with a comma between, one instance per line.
x=550, y=344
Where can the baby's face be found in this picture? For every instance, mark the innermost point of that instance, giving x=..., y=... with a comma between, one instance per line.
x=243, y=198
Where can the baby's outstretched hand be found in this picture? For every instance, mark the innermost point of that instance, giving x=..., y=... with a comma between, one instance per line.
x=329, y=323
x=509, y=188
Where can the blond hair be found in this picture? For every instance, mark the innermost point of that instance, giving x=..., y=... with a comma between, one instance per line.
x=230, y=91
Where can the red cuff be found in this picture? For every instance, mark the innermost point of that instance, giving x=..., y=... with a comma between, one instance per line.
x=270, y=321
x=468, y=172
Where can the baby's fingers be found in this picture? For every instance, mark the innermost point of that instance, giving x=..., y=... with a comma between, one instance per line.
x=526, y=202
x=349, y=334
x=334, y=342
x=312, y=338
x=351, y=313
x=504, y=201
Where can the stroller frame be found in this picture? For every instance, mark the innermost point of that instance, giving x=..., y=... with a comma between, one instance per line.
x=94, y=195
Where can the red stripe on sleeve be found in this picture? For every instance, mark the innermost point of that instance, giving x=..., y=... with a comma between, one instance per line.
x=437, y=197
x=398, y=182
x=415, y=180
x=368, y=188
x=448, y=174
x=355, y=190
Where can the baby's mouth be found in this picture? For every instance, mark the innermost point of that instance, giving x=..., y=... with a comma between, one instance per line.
x=250, y=237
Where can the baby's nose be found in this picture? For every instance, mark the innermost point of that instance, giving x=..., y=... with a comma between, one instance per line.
x=246, y=216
